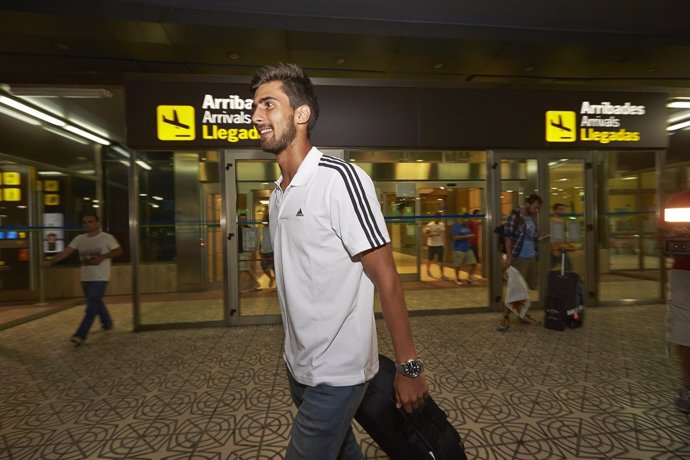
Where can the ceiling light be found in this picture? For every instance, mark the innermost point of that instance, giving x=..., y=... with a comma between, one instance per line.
x=679, y=118
x=144, y=165
x=65, y=135
x=81, y=93
x=19, y=116
x=121, y=151
x=679, y=105
x=439, y=65
x=87, y=135
x=31, y=111
x=678, y=126
x=233, y=56
x=340, y=61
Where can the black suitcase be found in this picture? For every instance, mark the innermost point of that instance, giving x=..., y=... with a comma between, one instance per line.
x=424, y=434
x=564, y=299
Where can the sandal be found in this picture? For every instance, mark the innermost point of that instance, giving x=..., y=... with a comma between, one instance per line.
x=529, y=320
x=504, y=325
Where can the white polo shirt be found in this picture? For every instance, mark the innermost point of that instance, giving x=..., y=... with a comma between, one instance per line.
x=325, y=218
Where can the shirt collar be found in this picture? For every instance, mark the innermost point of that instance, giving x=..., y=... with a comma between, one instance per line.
x=306, y=169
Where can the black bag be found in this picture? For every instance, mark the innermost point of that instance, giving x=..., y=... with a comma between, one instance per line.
x=424, y=434
x=564, y=299
x=501, y=231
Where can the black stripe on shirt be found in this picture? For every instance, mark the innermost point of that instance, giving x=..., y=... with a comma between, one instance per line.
x=355, y=190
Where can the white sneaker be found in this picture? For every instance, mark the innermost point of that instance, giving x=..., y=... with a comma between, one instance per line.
x=459, y=282
x=76, y=340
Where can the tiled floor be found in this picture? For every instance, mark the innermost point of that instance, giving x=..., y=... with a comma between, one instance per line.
x=602, y=391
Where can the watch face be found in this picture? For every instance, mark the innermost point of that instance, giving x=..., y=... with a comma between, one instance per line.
x=411, y=368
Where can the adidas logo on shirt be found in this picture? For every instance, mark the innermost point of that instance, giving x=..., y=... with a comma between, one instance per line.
x=299, y=213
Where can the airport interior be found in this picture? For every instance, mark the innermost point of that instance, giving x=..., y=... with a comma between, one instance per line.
x=140, y=111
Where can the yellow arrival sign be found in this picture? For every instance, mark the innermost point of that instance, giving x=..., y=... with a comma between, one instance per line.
x=561, y=126
x=175, y=122
x=51, y=199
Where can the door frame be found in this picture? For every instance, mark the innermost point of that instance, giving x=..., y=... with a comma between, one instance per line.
x=493, y=218
x=229, y=228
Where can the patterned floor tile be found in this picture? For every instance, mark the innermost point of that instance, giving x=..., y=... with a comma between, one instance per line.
x=603, y=391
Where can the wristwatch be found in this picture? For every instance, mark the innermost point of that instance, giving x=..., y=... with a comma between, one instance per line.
x=411, y=368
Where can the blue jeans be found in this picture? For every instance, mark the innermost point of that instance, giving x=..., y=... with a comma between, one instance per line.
x=93, y=291
x=322, y=429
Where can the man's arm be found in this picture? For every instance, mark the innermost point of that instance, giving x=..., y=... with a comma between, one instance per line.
x=65, y=253
x=380, y=266
x=96, y=260
x=510, y=228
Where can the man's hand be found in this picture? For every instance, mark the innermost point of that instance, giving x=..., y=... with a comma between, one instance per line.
x=95, y=260
x=410, y=392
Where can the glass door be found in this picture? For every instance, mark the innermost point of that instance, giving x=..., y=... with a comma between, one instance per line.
x=180, y=279
x=562, y=181
x=251, y=294
x=629, y=263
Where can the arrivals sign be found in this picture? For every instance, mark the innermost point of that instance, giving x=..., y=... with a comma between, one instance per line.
x=603, y=122
x=190, y=114
x=194, y=115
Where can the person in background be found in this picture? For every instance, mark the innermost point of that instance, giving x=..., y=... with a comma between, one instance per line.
x=475, y=225
x=266, y=253
x=247, y=245
x=521, y=241
x=435, y=232
x=462, y=252
x=558, y=211
x=96, y=249
x=678, y=304
x=332, y=252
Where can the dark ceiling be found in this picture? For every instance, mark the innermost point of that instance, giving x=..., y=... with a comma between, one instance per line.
x=613, y=44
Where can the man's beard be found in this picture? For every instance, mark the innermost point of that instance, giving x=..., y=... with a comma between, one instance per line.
x=277, y=145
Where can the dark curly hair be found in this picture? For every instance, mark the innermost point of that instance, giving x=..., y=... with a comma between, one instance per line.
x=533, y=198
x=296, y=84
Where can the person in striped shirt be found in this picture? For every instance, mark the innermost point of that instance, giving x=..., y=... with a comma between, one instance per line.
x=331, y=253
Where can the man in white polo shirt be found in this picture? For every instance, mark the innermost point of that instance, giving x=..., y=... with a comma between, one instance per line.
x=331, y=250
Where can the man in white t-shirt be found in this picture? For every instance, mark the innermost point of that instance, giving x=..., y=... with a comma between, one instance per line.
x=95, y=248
x=331, y=251
x=435, y=232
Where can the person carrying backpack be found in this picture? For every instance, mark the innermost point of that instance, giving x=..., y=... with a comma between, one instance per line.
x=521, y=242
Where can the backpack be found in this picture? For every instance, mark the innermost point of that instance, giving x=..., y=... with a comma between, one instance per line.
x=501, y=232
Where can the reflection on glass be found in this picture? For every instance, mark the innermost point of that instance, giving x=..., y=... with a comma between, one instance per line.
x=181, y=272
x=628, y=254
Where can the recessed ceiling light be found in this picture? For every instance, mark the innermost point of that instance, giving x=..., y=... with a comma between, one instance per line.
x=439, y=65
x=340, y=61
x=62, y=46
x=528, y=68
x=233, y=56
